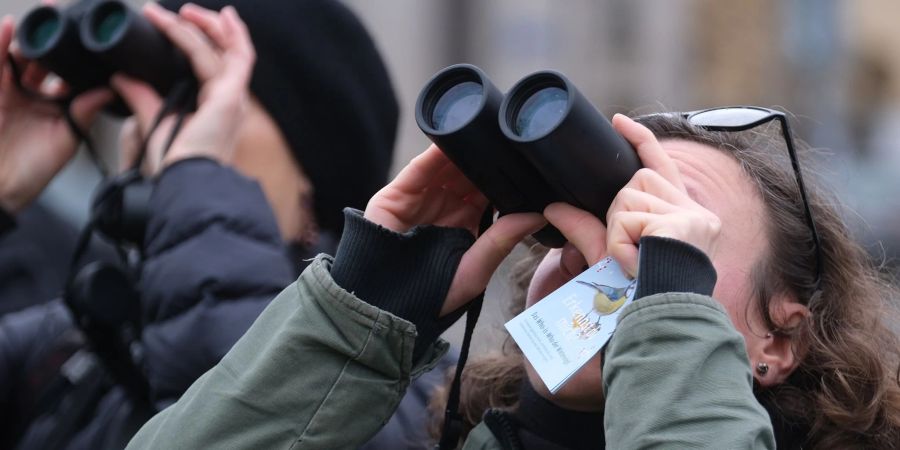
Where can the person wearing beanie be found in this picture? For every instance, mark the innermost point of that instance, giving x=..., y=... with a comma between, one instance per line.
x=323, y=117
x=316, y=134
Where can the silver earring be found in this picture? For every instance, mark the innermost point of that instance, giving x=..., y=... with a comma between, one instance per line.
x=762, y=369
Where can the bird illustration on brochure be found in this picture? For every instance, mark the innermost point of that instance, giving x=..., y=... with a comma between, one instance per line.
x=562, y=331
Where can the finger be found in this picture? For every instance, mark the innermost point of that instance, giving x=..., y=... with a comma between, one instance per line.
x=480, y=262
x=86, y=106
x=141, y=99
x=652, y=182
x=419, y=173
x=203, y=56
x=129, y=143
x=34, y=75
x=55, y=87
x=629, y=199
x=652, y=154
x=625, y=230
x=462, y=213
x=234, y=77
x=583, y=229
x=7, y=29
x=206, y=20
x=239, y=54
x=236, y=36
x=455, y=181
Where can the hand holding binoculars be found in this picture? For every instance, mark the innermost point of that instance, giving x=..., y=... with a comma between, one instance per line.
x=87, y=41
x=550, y=145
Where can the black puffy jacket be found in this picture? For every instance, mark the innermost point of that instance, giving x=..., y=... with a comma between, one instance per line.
x=213, y=259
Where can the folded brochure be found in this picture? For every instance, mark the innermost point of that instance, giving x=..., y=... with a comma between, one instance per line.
x=564, y=330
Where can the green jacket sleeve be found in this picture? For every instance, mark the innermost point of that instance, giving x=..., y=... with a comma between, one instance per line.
x=676, y=375
x=318, y=369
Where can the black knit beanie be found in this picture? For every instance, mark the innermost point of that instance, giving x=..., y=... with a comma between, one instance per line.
x=321, y=79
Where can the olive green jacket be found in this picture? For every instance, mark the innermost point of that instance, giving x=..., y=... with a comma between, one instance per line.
x=321, y=369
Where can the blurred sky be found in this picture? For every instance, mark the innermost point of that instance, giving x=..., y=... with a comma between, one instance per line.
x=833, y=64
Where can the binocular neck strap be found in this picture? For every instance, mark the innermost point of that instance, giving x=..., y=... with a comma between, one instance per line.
x=178, y=101
x=453, y=421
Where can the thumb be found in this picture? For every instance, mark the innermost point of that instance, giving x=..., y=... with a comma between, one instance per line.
x=584, y=230
x=129, y=143
x=140, y=97
x=482, y=259
x=86, y=106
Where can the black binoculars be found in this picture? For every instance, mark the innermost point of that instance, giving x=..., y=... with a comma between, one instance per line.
x=89, y=40
x=551, y=144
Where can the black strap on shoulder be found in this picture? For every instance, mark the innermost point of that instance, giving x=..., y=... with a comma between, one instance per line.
x=453, y=421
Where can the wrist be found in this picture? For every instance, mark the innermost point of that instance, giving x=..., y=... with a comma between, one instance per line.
x=406, y=274
x=670, y=265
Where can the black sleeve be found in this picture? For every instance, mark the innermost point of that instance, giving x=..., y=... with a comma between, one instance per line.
x=7, y=221
x=407, y=274
x=670, y=265
x=214, y=259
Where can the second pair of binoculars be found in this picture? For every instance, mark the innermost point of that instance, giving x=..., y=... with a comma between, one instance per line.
x=87, y=41
x=542, y=142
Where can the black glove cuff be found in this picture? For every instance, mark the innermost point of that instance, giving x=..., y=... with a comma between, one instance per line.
x=407, y=274
x=670, y=265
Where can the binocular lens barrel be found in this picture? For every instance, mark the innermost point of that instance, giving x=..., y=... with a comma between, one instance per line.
x=49, y=35
x=457, y=109
x=568, y=141
x=87, y=41
x=108, y=23
x=540, y=112
x=41, y=29
x=457, y=105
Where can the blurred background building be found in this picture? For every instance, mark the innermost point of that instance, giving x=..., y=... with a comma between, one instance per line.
x=833, y=64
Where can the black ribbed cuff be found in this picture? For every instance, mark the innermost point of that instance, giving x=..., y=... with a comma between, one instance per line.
x=670, y=265
x=7, y=221
x=407, y=274
x=570, y=429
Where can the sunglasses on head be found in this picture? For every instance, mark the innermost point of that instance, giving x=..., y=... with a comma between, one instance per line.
x=743, y=118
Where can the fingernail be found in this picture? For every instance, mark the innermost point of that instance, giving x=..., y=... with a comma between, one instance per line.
x=622, y=117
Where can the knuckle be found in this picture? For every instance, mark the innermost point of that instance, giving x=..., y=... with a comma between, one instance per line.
x=643, y=172
x=714, y=224
x=615, y=218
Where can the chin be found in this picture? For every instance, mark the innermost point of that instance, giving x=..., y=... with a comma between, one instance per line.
x=583, y=392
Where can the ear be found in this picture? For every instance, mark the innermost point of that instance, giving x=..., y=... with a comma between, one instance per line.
x=778, y=351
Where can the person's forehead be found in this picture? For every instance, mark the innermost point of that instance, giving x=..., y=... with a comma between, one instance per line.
x=709, y=175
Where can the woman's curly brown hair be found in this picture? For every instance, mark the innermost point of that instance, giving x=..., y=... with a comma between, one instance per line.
x=845, y=393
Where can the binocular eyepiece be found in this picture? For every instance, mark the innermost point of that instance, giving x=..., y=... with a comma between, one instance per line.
x=89, y=40
x=541, y=143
